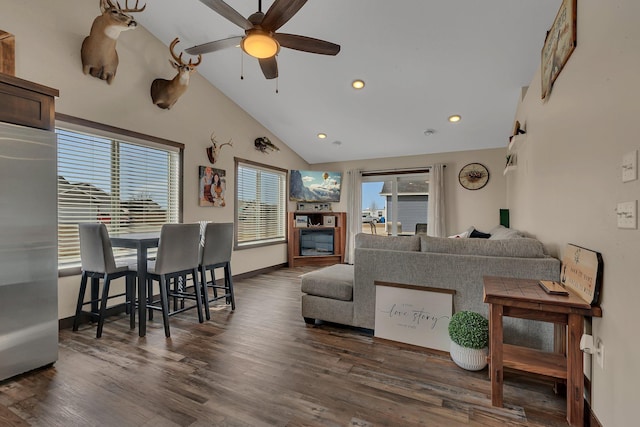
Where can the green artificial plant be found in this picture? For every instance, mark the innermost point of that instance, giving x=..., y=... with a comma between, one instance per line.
x=469, y=329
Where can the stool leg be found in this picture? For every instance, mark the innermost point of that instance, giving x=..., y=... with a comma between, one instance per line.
x=165, y=305
x=229, y=277
x=150, y=296
x=196, y=287
x=103, y=305
x=205, y=291
x=81, y=292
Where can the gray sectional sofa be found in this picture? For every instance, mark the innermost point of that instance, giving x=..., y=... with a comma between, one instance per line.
x=345, y=294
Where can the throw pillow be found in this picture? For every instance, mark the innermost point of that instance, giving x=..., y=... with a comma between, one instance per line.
x=475, y=234
x=501, y=232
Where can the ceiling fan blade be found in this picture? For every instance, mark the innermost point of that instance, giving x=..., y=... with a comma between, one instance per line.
x=214, y=46
x=280, y=12
x=228, y=12
x=307, y=44
x=269, y=67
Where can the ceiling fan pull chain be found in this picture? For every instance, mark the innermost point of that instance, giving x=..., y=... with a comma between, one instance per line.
x=241, y=66
x=276, y=84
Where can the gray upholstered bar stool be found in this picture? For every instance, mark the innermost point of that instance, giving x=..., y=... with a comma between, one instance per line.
x=218, y=245
x=177, y=257
x=96, y=255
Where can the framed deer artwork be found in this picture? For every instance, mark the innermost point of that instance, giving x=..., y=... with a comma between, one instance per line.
x=212, y=185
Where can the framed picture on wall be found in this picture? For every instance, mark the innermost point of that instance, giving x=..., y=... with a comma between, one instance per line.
x=211, y=185
x=558, y=45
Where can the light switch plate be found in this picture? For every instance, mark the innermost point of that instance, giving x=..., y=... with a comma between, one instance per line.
x=630, y=166
x=627, y=214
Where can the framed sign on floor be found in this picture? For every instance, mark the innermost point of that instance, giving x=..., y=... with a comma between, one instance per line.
x=413, y=314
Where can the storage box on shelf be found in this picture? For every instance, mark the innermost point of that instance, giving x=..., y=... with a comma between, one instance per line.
x=319, y=223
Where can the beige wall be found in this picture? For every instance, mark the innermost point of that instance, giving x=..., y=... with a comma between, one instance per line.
x=48, y=39
x=464, y=208
x=568, y=182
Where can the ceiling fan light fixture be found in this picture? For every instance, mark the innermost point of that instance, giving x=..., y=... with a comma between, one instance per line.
x=260, y=44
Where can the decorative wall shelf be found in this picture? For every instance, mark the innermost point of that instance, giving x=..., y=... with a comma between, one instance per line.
x=516, y=142
x=509, y=168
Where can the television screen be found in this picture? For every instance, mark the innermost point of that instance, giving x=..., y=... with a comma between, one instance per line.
x=314, y=186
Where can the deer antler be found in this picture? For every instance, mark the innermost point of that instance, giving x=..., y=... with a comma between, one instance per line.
x=126, y=5
x=178, y=58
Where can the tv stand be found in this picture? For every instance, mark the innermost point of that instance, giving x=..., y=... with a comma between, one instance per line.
x=316, y=221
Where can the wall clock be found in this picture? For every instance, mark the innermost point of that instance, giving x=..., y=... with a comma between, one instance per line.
x=473, y=176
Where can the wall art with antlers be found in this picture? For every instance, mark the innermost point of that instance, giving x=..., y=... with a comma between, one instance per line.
x=165, y=93
x=98, y=51
x=264, y=144
x=213, y=152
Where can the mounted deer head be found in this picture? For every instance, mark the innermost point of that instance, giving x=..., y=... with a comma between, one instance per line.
x=98, y=52
x=165, y=93
x=213, y=152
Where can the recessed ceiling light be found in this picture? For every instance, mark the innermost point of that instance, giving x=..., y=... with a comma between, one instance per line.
x=429, y=132
x=322, y=135
x=358, y=84
x=455, y=118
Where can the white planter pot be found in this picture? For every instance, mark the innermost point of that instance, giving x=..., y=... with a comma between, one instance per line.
x=470, y=359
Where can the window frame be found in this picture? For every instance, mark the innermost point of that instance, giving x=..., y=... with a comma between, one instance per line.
x=76, y=124
x=285, y=208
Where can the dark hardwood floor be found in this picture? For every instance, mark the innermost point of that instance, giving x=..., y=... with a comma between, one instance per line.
x=261, y=366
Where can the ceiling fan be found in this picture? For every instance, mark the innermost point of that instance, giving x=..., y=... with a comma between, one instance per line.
x=261, y=40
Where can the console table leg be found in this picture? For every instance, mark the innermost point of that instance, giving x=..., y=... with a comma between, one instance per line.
x=495, y=348
x=575, y=371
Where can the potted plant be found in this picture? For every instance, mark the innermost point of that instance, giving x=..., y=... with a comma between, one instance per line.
x=469, y=333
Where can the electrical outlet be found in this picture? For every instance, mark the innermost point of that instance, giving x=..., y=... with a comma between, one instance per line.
x=600, y=354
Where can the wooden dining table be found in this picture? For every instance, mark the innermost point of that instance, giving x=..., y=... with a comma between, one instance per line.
x=141, y=242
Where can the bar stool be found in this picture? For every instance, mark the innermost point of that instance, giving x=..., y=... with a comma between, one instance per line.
x=96, y=255
x=177, y=257
x=218, y=245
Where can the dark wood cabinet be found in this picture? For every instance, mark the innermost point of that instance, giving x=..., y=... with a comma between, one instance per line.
x=316, y=223
x=26, y=103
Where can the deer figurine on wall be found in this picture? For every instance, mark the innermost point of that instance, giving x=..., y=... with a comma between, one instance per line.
x=165, y=93
x=98, y=52
x=213, y=152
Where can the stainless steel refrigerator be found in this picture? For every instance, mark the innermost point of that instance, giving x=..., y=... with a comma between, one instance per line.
x=28, y=250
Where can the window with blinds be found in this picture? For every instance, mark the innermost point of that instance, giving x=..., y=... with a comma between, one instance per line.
x=261, y=204
x=130, y=187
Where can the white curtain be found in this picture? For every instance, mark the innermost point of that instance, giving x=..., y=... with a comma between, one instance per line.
x=354, y=212
x=436, y=225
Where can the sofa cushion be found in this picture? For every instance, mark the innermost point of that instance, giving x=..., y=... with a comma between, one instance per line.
x=335, y=282
x=501, y=232
x=518, y=248
x=392, y=243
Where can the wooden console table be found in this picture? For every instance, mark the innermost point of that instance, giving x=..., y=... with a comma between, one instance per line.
x=525, y=299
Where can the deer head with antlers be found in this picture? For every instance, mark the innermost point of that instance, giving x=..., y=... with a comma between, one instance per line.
x=98, y=52
x=165, y=93
x=213, y=152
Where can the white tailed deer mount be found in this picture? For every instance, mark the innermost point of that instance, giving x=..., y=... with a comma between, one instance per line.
x=213, y=152
x=165, y=93
x=98, y=52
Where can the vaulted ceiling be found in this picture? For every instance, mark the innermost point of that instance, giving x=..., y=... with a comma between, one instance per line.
x=422, y=61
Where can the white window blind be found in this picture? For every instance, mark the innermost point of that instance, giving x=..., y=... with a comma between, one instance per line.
x=130, y=187
x=261, y=204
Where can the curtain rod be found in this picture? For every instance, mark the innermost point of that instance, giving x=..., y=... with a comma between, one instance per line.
x=398, y=171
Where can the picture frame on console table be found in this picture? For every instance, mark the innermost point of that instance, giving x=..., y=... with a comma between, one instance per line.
x=558, y=45
x=582, y=271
